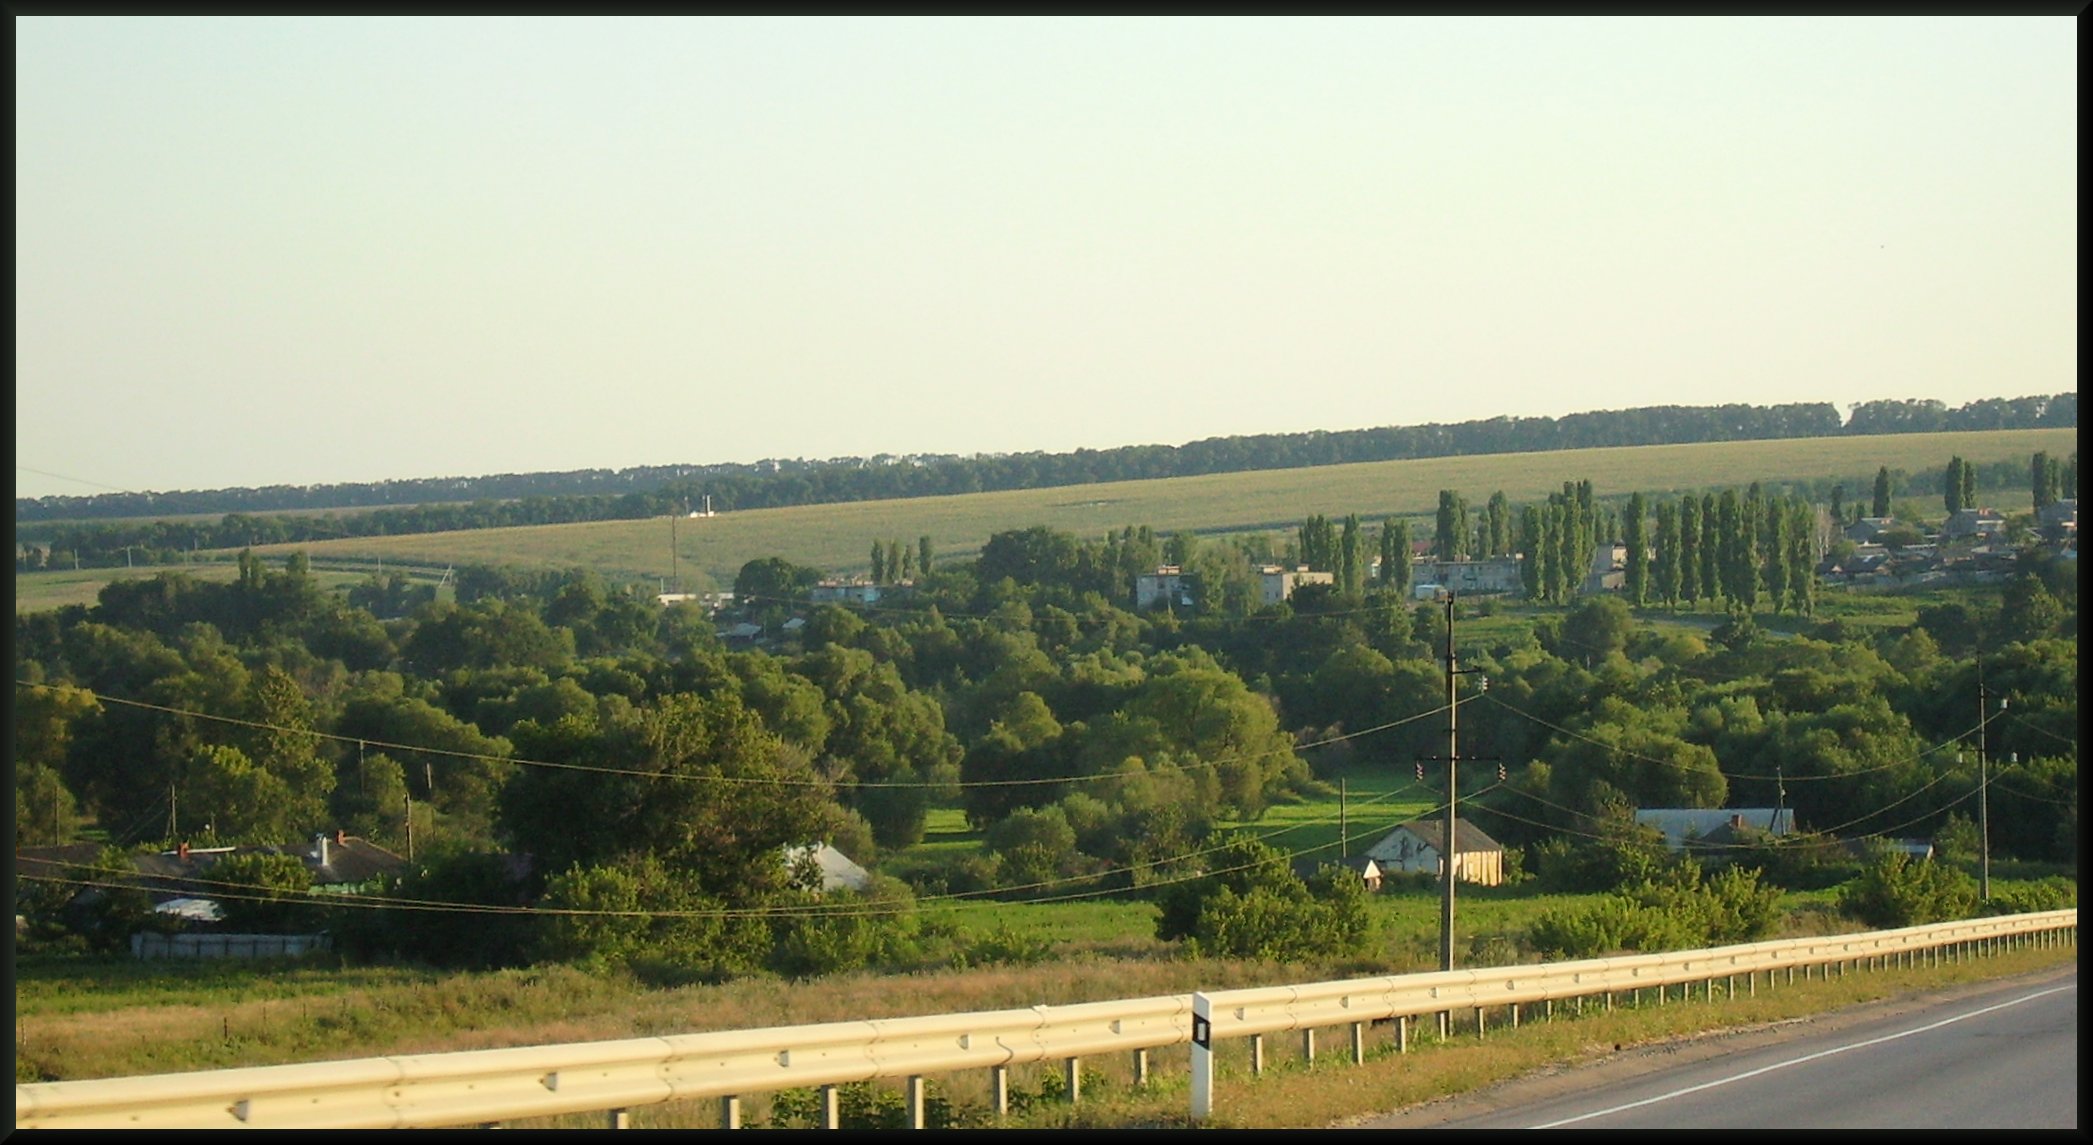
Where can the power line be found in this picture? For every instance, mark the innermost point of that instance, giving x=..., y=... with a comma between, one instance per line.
x=739, y=780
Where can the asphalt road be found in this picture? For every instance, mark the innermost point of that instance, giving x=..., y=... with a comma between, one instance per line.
x=1994, y=1055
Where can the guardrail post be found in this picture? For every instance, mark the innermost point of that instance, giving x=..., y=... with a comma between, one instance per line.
x=1402, y=1033
x=1140, y=1067
x=1710, y=999
x=1358, y=1043
x=915, y=1101
x=1308, y=1045
x=831, y=1108
x=1514, y=1009
x=730, y=1112
x=1072, y=1071
x=1257, y=1055
x=1202, y=1057
x=999, y=1089
x=620, y=1119
x=1479, y=1023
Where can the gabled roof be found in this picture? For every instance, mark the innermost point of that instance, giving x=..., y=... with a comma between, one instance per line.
x=837, y=870
x=1467, y=836
x=1677, y=824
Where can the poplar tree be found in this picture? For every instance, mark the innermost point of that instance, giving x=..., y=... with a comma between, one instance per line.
x=1452, y=536
x=1802, y=560
x=1348, y=557
x=1533, y=544
x=1951, y=486
x=879, y=563
x=1778, y=553
x=1689, y=546
x=1500, y=519
x=1665, y=569
x=1881, y=505
x=1713, y=584
x=1395, y=557
x=1638, y=568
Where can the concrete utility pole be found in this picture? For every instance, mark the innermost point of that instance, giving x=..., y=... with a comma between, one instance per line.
x=1984, y=783
x=1448, y=849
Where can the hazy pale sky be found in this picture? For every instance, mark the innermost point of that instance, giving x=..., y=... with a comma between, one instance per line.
x=303, y=250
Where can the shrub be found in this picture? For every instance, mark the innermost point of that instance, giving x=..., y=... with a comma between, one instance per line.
x=2053, y=893
x=1254, y=906
x=1893, y=890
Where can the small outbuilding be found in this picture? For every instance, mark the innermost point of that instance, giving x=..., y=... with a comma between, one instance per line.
x=838, y=872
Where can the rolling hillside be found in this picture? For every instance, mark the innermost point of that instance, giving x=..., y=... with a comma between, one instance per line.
x=838, y=537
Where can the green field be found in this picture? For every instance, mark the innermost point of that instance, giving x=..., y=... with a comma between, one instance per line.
x=838, y=538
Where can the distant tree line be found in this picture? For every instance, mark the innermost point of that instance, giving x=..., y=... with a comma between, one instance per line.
x=391, y=508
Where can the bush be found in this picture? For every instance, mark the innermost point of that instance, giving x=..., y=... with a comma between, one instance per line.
x=1254, y=906
x=2053, y=893
x=1677, y=911
x=1893, y=890
x=1608, y=926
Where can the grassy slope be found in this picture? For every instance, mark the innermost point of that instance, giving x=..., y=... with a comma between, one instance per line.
x=838, y=538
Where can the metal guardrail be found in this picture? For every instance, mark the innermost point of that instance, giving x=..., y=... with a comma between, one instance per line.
x=490, y=1086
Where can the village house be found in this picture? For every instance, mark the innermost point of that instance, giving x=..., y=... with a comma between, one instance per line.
x=1471, y=577
x=1415, y=847
x=1277, y=583
x=1167, y=585
x=845, y=592
x=1684, y=827
x=1865, y=530
x=1972, y=523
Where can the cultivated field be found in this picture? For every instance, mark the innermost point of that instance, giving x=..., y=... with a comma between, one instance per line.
x=838, y=538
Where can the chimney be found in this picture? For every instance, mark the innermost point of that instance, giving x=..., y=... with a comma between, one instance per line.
x=1736, y=820
x=181, y=851
x=341, y=838
x=322, y=841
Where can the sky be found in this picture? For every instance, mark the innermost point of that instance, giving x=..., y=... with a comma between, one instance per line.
x=301, y=250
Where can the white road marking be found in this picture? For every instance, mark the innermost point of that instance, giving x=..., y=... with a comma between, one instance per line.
x=1805, y=1058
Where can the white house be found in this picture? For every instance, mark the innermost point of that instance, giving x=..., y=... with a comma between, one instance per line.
x=1415, y=846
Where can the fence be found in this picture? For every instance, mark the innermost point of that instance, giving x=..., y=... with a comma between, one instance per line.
x=146, y=945
x=485, y=1087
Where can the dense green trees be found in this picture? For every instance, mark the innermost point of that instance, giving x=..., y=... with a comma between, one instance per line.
x=650, y=771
